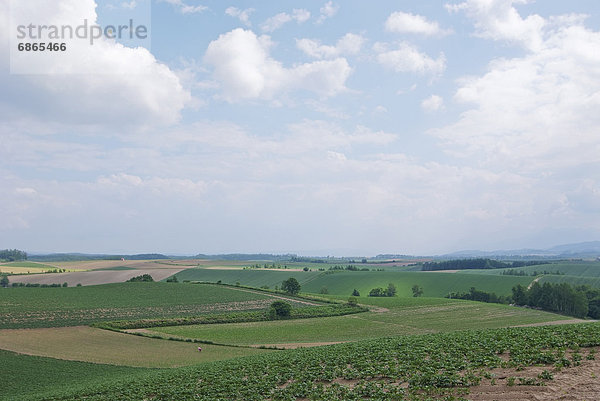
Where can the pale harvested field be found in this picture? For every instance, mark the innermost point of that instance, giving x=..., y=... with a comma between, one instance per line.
x=88, y=344
x=134, y=264
x=94, y=277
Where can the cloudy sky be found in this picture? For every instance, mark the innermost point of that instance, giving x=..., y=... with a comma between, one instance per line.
x=313, y=127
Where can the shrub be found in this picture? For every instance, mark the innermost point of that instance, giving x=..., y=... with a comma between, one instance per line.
x=280, y=309
x=143, y=278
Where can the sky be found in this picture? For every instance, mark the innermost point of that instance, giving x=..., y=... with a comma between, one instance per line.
x=309, y=127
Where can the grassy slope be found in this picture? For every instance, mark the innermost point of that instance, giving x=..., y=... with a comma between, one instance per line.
x=54, y=307
x=101, y=346
x=404, y=316
x=573, y=268
x=24, y=375
x=342, y=283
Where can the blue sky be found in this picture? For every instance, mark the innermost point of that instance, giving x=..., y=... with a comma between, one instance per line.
x=313, y=127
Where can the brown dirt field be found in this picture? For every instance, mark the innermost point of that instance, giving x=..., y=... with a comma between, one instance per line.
x=93, y=277
x=134, y=264
x=101, y=346
x=574, y=383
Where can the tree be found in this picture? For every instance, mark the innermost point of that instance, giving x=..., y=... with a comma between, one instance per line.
x=4, y=281
x=377, y=292
x=324, y=290
x=519, y=295
x=291, y=286
x=355, y=293
x=280, y=309
x=417, y=290
x=391, y=290
x=143, y=278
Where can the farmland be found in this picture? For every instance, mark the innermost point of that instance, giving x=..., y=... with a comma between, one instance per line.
x=343, y=282
x=402, y=316
x=382, y=369
x=377, y=354
x=72, y=306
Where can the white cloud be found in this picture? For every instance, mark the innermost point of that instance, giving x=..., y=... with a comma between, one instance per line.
x=536, y=113
x=499, y=20
x=402, y=22
x=242, y=64
x=185, y=8
x=329, y=10
x=433, y=103
x=242, y=15
x=407, y=58
x=349, y=44
x=279, y=20
x=121, y=86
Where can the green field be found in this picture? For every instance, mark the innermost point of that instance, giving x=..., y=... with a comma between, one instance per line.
x=570, y=268
x=55, y=307
x=26, y=376
x=403, y=316
x=382, y=369
x=343, y=282
x=33, y=265
x=573, y=280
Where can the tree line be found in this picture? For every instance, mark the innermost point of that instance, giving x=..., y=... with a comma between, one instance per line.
x=12, y=255
x=579, y=301
x=477, y=263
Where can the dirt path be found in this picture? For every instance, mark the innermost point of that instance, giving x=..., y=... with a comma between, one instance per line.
x=534, y=281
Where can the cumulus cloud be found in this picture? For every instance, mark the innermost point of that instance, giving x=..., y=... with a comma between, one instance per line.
x=433, y=103
x=242, y=15
x=106, y=83
x=279, y=20
x=349, y=44
x=329, y=10
x=402, y=22
x=536, y=112
x=243, y=66
x=500, y=20
x=407, y=58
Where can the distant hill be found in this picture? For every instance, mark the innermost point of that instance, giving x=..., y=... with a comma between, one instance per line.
x=590, y=249
x=62, y=257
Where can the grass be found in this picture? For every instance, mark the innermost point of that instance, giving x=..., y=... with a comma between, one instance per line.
x=250, y=277
x=404, y=316
x=433, y=284
x=55, y=307
x=570, y=268
x=33, y=265
x=25, y=375
x=343, y=282
x=108, y=347
x=573, y=280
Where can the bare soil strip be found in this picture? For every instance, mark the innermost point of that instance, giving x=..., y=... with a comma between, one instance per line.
x=574, y=383
x=94, y=277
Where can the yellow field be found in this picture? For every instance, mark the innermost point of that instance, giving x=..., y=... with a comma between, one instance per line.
x=88, y=344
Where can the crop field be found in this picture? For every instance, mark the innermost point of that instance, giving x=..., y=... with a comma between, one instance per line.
x=570, y=268
x=250, y=277
x=72, y=306
x=394, y=316
x=25, y=267
x=434, y=284
x=573, y=280
x=26, y=376
x=88, y=344
x=382, y=369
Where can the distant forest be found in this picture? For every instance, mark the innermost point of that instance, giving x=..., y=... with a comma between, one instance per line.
x=480, y=263
x=12, y=255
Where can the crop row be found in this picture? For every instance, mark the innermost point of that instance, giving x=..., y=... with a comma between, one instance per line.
x=235, y=317
x=400, y=368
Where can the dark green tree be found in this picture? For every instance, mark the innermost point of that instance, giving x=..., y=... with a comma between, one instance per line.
x=355, y=293
x=280, y=309
x=4, y=281
x=417, y=290
x=391, y=290
x=291, y=286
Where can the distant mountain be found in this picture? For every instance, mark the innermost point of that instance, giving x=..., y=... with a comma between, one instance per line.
x=589, y=249
x=62, y=257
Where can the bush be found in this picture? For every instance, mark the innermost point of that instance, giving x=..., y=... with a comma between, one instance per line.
x=352, y=301
x=355, y=293
x=143, y=278
x=280, y=309
x=4, y=281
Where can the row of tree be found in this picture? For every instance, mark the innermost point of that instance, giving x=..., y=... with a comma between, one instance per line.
x=390, y=291
x=12, y=255
x=477, y=263
x=579, y=301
